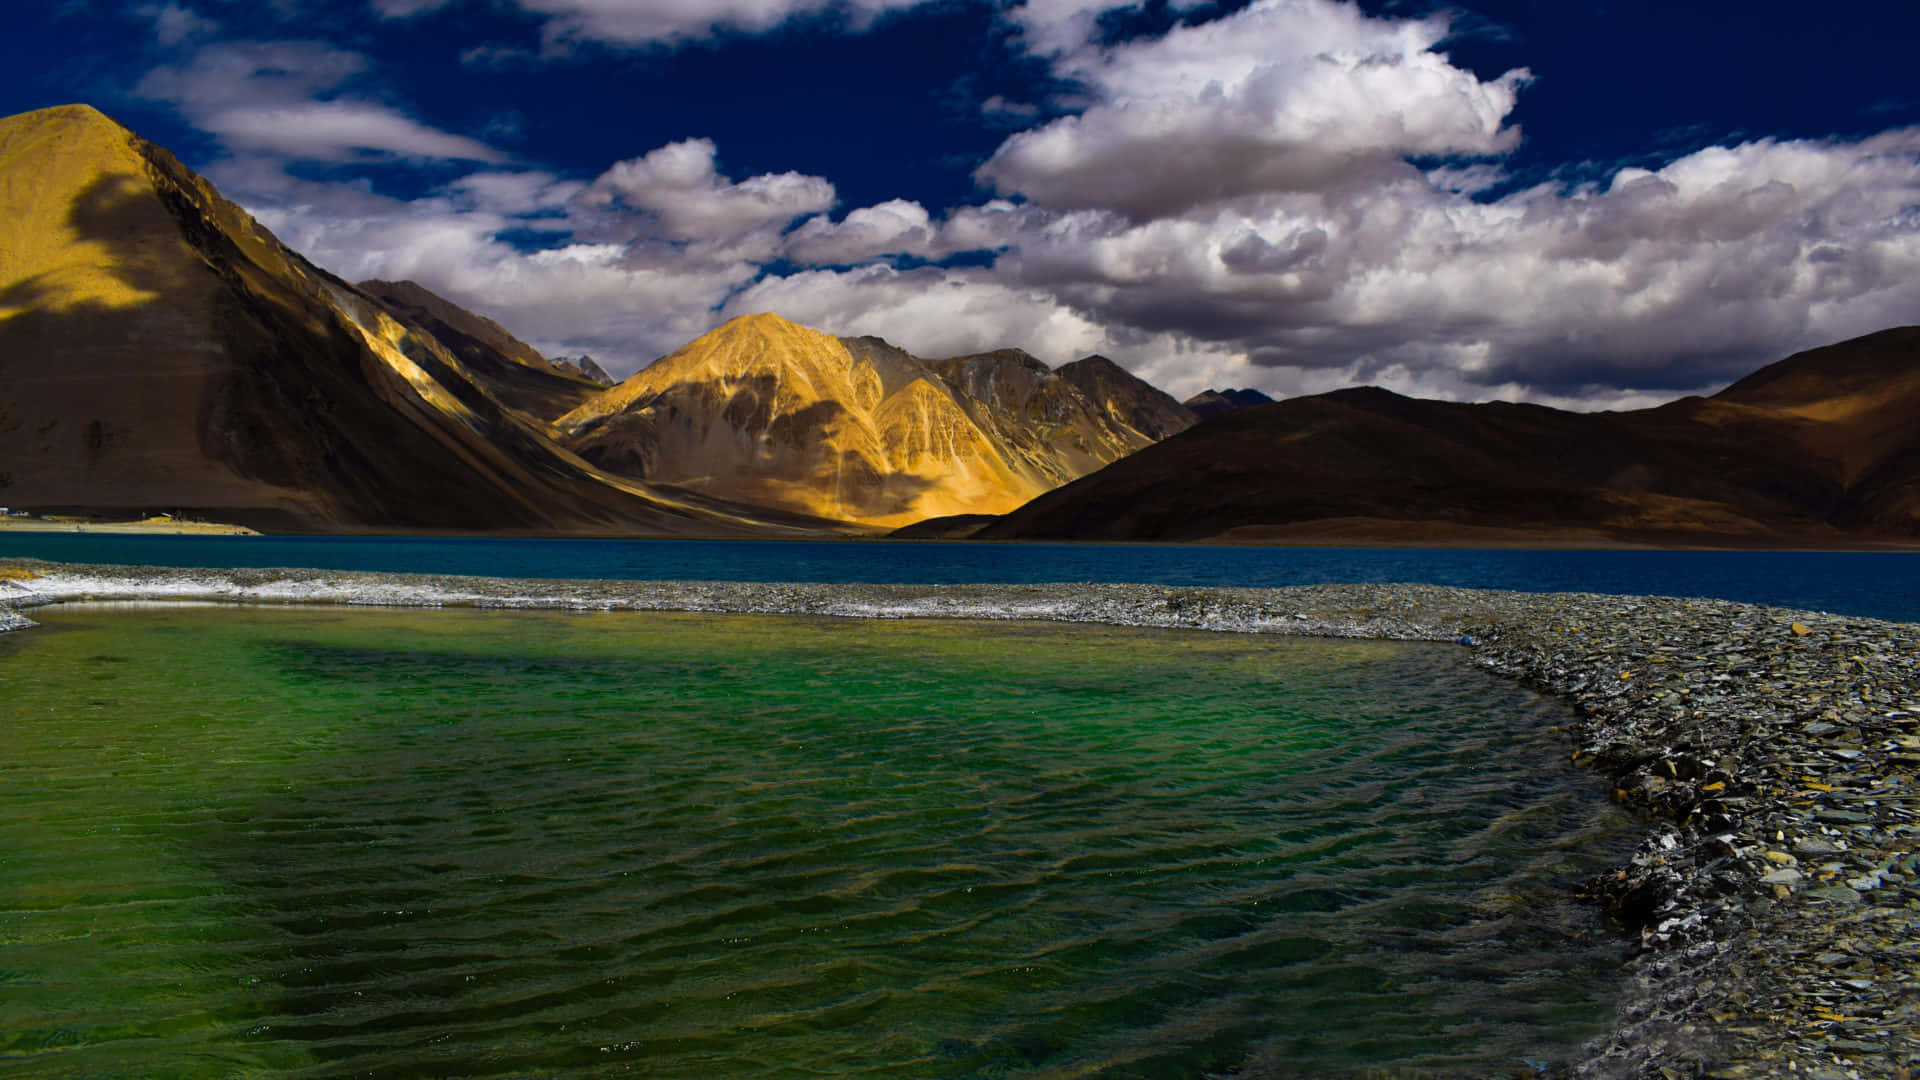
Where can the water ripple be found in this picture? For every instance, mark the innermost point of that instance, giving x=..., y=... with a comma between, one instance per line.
x=463, y=845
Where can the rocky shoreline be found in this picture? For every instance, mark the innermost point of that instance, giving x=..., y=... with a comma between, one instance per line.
x=1775, y=755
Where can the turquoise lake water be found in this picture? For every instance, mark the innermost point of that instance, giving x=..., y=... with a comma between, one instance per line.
x=1880, y=584
x=241, y=842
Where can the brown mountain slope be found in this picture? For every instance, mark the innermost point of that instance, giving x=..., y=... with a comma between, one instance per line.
x=1857, y=406
x=764, y=411
x=159, y=349
x=772, y=413
x=1817, y=449
x=509, y=368
x=1142, y=412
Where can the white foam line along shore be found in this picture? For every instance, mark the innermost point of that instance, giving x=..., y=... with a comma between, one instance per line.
x=1774, y=754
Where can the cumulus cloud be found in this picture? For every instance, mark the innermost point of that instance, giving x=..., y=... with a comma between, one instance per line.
x=1285, y=95
x=635, y=262
x=1235, y=203
x=895, y=227
x=278, y=98
x=931, y=311
x=577, y=295
x=681, y=187
x=1673, y=280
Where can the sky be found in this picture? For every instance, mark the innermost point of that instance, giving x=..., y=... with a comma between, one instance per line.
x=1599, y=204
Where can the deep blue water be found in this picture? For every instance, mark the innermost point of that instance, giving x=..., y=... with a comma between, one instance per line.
x=1880, y=584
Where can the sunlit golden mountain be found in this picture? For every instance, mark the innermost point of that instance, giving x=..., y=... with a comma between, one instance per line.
x=159, y=349
x=767, y=412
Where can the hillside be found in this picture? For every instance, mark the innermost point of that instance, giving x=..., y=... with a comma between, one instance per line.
x=509, y=368
x=1821, y=448
x=160, y=350
x=764, y=411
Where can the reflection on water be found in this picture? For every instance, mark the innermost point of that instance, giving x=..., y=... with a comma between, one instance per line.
x=332, y=843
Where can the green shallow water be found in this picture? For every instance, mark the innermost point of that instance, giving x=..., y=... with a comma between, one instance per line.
x=331, y=843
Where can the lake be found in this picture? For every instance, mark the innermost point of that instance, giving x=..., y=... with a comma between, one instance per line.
x=360, y=843
x=1878, y=584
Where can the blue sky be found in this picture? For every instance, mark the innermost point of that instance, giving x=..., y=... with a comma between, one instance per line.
x=1600, y=204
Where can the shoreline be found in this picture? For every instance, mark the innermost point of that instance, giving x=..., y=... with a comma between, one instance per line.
x=163, y=525
x=1774, y=756
x=1410, y=535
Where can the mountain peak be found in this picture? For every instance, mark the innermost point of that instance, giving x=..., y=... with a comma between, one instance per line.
x=1093, y=362
x=760, y=322
x=78, y=115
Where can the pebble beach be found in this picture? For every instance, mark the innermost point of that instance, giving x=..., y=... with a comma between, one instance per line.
x=1774, y=756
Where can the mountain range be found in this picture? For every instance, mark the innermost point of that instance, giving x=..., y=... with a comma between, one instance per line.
x=1817, y=449
x=764, y=411
x=161, y=350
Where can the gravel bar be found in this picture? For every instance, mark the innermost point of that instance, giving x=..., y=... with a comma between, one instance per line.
x=1774, y=755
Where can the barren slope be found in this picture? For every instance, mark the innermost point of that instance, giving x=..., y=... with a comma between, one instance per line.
x=160, y=350
x=509, y=368
x=772, y=413
x=1821, y=448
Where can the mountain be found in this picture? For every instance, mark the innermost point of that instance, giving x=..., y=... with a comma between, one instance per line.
x=159, y=349
x=510, y=369
x=1214, y=402
x=1821, y=448
x=1061, y=424
x=1140, y=412
x=764, y=411
x=584, y=365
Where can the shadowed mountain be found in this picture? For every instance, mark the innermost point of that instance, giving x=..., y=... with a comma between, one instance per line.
x=1823, y=447
x=509, y=368
x=1214, y=402
x=159, y=349
x=767, y=412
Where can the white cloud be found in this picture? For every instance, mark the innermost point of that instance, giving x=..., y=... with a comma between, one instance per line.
x=338, y=131
x=1234, y=206
x=669, y=22
x=1658, y=283
x=1468, y=179
x=681, y=186
x=895, y=227
x=272, y=98
x=1059, y=27
x=1677, y=279
x=640, y=258
x=174, y=25
x=675, y=200
x=928, y=311
x=581, y=295
x=1285, y=95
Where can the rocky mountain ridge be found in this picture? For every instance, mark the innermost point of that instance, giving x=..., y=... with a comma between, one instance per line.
x=203, y=367
x=764, y=411
x=1819, y=449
